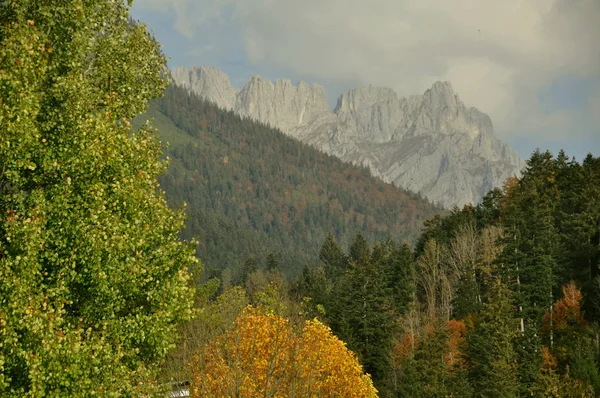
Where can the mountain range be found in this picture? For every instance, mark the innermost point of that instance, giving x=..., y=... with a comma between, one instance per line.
x=252, y=190
x=432, y=144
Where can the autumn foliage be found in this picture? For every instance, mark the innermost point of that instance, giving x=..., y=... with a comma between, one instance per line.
x=262, y=355
x=457, y=331
x=566, y=312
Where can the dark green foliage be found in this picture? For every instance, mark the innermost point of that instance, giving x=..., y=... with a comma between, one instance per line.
x=443, y=229
x=578, y=220
x=272, y=263
x=583, y=364
x=249, y=267
x=332, y=256
x=488, y=211
x=466, y=301
x=400, y=274
x=492, y=359
x=427, y=374
x=362, y=310
x=529, y=358
x=314, y=288
x=359, y=250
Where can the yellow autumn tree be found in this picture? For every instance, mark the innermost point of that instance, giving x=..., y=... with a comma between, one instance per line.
x=263, y=356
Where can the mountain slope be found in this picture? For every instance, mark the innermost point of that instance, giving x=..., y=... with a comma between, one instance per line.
x=252, y=190
x=430, y=143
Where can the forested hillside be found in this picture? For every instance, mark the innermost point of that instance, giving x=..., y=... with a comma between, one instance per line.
x=497, y=300
x=252, y=191
x=501, y=299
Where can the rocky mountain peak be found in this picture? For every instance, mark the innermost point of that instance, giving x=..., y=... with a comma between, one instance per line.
x=430, y=143
x=441, y=95
x=208, y=82
x=364, y=96
x=281, y=104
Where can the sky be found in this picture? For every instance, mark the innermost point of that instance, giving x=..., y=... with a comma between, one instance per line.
x=532, y=65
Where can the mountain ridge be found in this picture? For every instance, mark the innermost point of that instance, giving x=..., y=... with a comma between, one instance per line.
x=432, y=143
x=252, y=190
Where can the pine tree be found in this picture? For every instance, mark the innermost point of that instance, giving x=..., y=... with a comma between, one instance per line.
x=490, y=353
x=360, y=250
x=250, y=266
x=400, y=275
x=333, y=257
x=488, y=211
x=314, y=289
x=578, y=220
x=362, y=314
x=539, y=236
x=531, y=254
x=272, y=263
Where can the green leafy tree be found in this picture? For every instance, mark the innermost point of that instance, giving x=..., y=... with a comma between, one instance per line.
x=93, y=276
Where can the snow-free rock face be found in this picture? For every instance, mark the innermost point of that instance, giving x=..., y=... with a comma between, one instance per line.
x=207, y=82
x=430, y=143
x=281, y=105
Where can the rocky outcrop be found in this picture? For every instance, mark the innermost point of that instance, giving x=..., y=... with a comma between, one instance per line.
x=281, y=105
x=430, y=143
x=208, y=82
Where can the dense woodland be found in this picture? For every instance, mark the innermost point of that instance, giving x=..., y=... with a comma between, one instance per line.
x=498, y=299
x=501, y=299
x=252, y=191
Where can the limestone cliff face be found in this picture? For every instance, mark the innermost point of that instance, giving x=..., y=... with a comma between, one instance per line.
x=208, y=82
x=281, y=105
x=430, y=143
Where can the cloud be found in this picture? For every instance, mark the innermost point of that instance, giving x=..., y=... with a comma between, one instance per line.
x=499, y=55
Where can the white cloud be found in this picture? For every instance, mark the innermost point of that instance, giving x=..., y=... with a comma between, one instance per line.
x=497, y=54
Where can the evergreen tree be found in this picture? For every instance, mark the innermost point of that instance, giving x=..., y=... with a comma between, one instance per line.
x=539, y=237
x=363, y=315
x=531, y=254
x=332, y=256
x=272, y=263
x=578, y=220
x=249, y=267
x=360, y=250
x=314, y=289
x=492, y=359
x=400, y=275
x=488, y=211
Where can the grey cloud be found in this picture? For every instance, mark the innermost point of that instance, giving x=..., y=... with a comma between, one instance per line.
x=497, y=54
